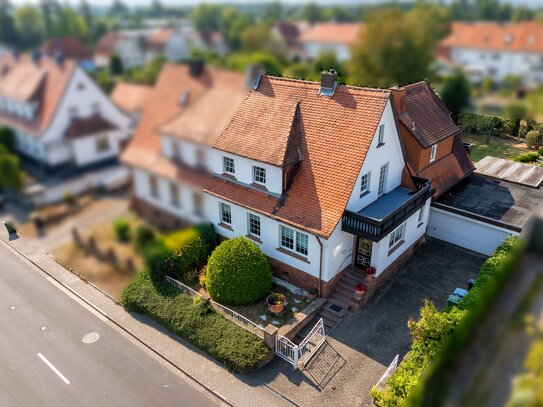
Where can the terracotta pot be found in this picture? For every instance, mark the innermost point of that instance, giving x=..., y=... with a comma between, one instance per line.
x=360, y=293
x=370, y=271
x=276, y=308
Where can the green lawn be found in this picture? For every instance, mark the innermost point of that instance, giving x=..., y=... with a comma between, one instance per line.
x=496, y=147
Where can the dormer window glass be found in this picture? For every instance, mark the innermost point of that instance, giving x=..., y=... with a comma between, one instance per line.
x=229, y=166
x=381, y=136
x=259, y=175
x=433, y=153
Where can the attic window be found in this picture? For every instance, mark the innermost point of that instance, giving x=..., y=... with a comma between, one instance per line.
x=183, y=98
x=433, y=153
x=80, y=86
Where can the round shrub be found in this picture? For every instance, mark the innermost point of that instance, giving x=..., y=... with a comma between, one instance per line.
x=238, y=272
x=144, y=234
x=122, y=230
x=532, y=138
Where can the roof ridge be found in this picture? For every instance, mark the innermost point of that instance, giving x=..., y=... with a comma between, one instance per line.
x=339, y=87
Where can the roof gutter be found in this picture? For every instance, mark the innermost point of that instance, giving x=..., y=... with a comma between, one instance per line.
x=320, y=266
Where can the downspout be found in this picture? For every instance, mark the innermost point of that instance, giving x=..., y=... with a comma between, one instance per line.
x=320, y=267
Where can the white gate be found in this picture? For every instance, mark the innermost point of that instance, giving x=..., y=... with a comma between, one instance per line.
x=295, y=354
x=391, y=369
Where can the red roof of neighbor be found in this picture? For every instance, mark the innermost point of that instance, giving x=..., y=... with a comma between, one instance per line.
x=423, y=114
x=106, y=44
x=43, y=82
x=325, y=128
x=163, y=106
x=219, y=103
x=131, y=97
x=450, y=170
x=159, y=38
x=524, y=36
x=333, y=33
x=70, y=47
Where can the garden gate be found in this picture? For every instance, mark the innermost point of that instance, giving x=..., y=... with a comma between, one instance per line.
x=295, y=354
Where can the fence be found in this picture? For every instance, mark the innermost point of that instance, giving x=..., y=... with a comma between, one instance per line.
x=391, y=369
x=232, y=315
x=296, y=354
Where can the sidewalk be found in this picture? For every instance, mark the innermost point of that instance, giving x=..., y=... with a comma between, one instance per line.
x=237, y=390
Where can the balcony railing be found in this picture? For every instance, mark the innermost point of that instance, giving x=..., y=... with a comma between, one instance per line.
x=375, y=229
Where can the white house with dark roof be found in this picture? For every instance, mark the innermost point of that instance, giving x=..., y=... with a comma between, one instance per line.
x=58, y=114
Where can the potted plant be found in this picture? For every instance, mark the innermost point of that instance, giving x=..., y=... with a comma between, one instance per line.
x=312, y=294
x=276, y=302
x=360, y=289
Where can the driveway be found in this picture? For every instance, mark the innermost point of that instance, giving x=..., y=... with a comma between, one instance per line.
x=363, y=344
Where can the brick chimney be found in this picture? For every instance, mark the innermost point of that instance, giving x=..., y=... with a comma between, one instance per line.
x=328, y=83
x=196, y=67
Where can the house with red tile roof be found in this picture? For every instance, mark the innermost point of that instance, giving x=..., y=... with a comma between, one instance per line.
x=336, y=38
x=59, y=116
x=495, y=50
x=131, y=98
x=128, y=45
x=71, y=48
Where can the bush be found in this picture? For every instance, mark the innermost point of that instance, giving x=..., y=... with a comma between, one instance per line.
x=238, y=272
x=431, y=333
x=540, y=151
x=527, y=158
x=478, y=123
x=532, y=138
x=144, y=234
x=196, y=322
x=69, y=198
x=122, y=230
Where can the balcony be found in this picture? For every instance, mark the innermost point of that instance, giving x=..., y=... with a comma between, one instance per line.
x=377, y=220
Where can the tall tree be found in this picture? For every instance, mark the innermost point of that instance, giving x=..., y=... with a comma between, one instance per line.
x=456, y=93
x=312, y=13
x=8, y=33
x=11, y=175
x=119, y=9
x=70, y=24
x=156, y=9
x=233, y=22
x=86, y=13
x=30, y=25
x=393, y=49
x=205, y=17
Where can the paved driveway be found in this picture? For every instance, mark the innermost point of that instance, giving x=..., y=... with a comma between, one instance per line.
x=364, y=343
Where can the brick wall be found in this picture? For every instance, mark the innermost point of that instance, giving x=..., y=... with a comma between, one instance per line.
x=157, y=216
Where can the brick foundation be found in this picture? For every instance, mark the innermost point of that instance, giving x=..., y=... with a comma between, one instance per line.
x=156, y=216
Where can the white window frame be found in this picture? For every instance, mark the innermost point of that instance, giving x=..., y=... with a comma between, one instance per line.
x=102, y=143
x=397, y=236
x=251, y=217
x=175, y=200
x=365, y=184
x=257, y=168
x=383, y=175
x=381, y=135
x=300, y=241
x=225, y=209
x=198, y=204
x=228, y=165
x=433, y=153
x=176, y=150
x=154, y=187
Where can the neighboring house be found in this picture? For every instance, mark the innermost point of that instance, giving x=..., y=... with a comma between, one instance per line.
x=495, y=50
x=131, y=98
x=336, y=38
x=71, y=48
x=60, y=117
x=128, y=45
x=288, y=34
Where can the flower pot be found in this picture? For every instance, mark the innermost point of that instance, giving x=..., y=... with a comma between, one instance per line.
x=312, y=294
x=360, y=289
x=370, y=271
x=276, y=303
x=276, y=308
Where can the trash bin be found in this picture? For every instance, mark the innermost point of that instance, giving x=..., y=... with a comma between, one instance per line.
x=471, y=282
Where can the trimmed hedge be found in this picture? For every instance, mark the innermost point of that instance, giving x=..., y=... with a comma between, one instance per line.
x=181, y=253
x=437, y=332
x=144, y=235
x=238, y=272
x=527, y=158
x=195, y=321
x=122, y=230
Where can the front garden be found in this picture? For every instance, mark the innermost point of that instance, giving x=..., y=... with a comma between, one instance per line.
x=235, y=274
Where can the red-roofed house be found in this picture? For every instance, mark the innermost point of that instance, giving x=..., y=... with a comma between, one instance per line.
x=71, y=48
x=336, y=38
x=58, y=114
x=496, y=50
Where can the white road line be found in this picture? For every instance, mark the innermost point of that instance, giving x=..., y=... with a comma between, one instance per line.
x=53, y=368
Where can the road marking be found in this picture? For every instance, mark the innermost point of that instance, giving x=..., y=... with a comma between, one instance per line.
x=53, y=368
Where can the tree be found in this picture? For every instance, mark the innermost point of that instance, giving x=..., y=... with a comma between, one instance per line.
x=86, y=13
x=516, y=111
x=205, y=17
x=11, y=175
x=312, y=13
x=49, y=10
x=8, y=33
x=7, y=138
x=233, y=22
x=255, y=38
x=116, y=65
x=119, y=9
x=456, y=93
x=393, y=49
x=30, y=25
x=70, y=24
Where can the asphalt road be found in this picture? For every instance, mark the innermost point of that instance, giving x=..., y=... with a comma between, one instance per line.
x=44, y=361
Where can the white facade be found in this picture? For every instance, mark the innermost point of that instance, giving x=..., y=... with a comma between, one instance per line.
x=312, y=50
x=499, y=64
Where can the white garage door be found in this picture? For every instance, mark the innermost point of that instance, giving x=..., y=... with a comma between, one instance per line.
x=465, y=232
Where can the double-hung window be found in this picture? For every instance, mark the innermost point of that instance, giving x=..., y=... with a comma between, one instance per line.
x=254, y=225
x=228, y=165
x=365, y=184
x=396, y=236
x=226, y=213
x=433, y=153
x=295, y=241
x=153, y=186
x=259, y=175
x=383, y=173
x=174, y=195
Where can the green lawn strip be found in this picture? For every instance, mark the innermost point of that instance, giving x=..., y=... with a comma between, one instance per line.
x=493, y=148
x=196, y=322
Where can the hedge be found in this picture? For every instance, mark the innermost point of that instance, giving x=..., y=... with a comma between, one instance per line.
x=180, y=254
x=196, y=322
x=436, y=332
x=481, y=123
x=122, y=229
x=238, y=272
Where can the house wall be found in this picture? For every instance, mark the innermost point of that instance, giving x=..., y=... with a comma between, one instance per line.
x=188, y=151
x=244, y=170
x=314, y=49
x=29, y=145
x=390, y=152
x=421, y=156
x=176, y=48
x=499, y=64
x=85, y=151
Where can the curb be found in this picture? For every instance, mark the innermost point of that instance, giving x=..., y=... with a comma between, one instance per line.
x=217, y=395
